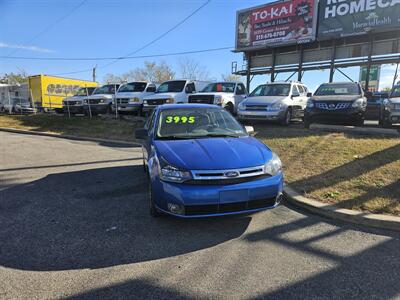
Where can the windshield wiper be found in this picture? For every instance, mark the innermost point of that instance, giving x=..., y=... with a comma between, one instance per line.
x=220, y=135
x=174, y=137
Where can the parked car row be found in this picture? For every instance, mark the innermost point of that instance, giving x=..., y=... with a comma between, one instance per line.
x=281, y=102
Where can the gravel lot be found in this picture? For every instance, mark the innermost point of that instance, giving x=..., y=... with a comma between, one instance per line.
x=74, y=224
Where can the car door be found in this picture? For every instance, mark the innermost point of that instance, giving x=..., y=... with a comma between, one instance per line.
x=302, y=100
x=240, y=94
x=147, y=146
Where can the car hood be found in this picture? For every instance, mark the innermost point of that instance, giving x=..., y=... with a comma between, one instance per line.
x=395, y=100
x=336, y=98
x=161, y=96
x=264, y=99
x=214, y=153
x=129, y=94
x=101, y=96
x=74, y=98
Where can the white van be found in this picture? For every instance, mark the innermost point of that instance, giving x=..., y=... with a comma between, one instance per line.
x=129, y=97
x=173, y=91
x=275, y=101
x=227, y=94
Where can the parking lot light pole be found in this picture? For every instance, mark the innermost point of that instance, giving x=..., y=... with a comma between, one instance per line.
x=115, y=99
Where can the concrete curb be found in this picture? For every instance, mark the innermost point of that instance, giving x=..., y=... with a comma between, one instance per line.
x=356, y=130
x=69, y=137
x=342, y=214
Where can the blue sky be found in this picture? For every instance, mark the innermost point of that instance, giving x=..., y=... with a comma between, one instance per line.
x=109, y=28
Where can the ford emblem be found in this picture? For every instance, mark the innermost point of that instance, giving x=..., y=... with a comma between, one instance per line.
x=331, y=105
x=231, y=174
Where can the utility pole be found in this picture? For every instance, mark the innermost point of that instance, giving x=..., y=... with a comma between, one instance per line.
x=94, y=73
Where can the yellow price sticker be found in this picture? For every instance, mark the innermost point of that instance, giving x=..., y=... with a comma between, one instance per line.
x=179, y=119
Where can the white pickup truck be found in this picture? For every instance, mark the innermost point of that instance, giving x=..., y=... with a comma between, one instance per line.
x=225, y=94
x=172, y=91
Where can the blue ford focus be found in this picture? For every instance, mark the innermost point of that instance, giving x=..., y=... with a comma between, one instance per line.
x=201, y=162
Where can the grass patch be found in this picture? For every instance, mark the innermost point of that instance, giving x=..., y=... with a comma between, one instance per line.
x=97, y=127
x=355, y=172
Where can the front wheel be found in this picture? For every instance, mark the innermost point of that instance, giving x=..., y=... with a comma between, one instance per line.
x=152, y=207
x=287, y=117
x=230, y=108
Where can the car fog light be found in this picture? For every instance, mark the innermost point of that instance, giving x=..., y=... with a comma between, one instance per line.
x=176, y=208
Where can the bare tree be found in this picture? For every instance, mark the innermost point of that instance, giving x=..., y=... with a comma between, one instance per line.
x=15, y=78
x=191, y=69
x=152, y=72
x=111, y=78
x=230, y=77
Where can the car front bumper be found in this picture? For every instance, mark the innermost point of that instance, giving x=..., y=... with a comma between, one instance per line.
x=260, y=115
x=129, y=107
x=199, y=201
x=392, y=115
x=74, y=109
x=345, y=115
x=96, y=108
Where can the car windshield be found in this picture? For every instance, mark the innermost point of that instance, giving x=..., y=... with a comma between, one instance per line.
x=224, y=87
x=105, y=89
x=172, y=86
x=396, y=92
x=271, y=90
x=192, y=123
x=132, y=87
x=338, y=89
x=82, y=92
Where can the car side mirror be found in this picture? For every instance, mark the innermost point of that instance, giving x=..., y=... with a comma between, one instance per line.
x=250, y=130
x=309, y=94
x=141, y=133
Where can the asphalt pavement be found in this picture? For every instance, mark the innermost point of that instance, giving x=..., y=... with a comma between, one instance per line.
x=74, y=224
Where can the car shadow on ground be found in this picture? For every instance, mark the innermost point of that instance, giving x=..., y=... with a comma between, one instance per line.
x=96, y=218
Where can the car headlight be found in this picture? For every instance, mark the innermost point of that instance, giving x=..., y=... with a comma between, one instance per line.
x=390, y=104
x=242, y=106
x=103, y=101
x=274, y=166
x=172, y=174
x=276, y=106
x=134, y=100
x=169, y=100
x=358, y=103
x=217, y=99
x=85, y=101
x=310, y=104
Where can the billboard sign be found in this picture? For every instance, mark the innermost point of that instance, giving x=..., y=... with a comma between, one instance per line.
x=276, y=24
x=341, y=18
x=374, y=74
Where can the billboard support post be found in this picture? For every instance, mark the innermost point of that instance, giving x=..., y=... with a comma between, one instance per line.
x=371, y=43
x=273, y=65
x=300, y=72
x=332, y=67
x=248, y=72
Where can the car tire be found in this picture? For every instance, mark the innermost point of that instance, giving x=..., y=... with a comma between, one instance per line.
x=230, y=108
x=287, y=117
x=154, y=212
x=359, y=122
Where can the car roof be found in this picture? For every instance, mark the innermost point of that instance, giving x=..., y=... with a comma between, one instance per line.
x=340, y=82
x=188, y=105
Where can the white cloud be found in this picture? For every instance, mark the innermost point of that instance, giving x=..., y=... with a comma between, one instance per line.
x=29, y=48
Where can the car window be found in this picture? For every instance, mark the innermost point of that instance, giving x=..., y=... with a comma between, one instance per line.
x=225, y=87
x=295, y=91
x=132, y=87
x=151, y=89
x=150, y=121
x=395, y=92
x=240, y=90
x=301, y=90
x=338, y=89
x=190, y=88
x=276, y=89
x=197, y=123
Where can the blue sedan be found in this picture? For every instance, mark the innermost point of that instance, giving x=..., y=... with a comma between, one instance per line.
x=201, y=162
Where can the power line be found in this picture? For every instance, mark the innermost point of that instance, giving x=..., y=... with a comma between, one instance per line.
x=50, y=26
x=160, y=36
x=113, y=58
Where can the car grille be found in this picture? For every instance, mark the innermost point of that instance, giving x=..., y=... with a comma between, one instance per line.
x=226, y=181
x=332, y=105
x=228, y=207
x=204, y=99
x=227, y=174
x=257, y=107
x=156, y=101
x=94, y=101
x=122, y=101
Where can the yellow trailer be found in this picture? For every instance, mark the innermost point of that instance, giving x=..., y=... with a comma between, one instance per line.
x=47, y=92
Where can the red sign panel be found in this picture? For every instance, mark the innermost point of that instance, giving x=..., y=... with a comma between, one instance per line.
x=276, y=24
